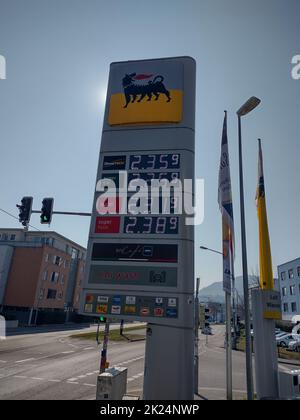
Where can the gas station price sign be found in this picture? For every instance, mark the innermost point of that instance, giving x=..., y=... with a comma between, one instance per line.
x=141, y=266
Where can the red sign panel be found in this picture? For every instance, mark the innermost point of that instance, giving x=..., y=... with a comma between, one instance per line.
x=108, y=224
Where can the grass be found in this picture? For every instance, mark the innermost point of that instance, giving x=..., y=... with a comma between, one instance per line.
x=114, y=335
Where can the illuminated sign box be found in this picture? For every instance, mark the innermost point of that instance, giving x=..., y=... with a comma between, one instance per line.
x=146, y=93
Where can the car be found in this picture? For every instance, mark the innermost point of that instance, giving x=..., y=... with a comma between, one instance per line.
x=283, y=341
x=294, y=345
x=207, y=331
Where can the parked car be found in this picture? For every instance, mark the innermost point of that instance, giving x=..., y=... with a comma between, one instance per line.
x=294, y=345
x=283, y=341
x=207, y=331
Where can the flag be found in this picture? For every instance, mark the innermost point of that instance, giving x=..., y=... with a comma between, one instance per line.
x=265, y=258
x=225, y=204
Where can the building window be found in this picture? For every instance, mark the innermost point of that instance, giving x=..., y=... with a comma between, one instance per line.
x=285, y=307
x=54, y=277
x=284, y=291
x=294, y=307
x=298, y=271
x=51, y=294
x=60, y=295
x=282, y=275
x=291, y=273
x=42, y=292
x=293, y=290
x=45, y=275
x=62, y=279
x=4, y=237
x=46, y=257
x=82, y=268
x=66, y=265
x=12, y=237
x=77, y=298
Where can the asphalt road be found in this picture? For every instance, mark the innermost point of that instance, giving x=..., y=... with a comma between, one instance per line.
x=51, y=365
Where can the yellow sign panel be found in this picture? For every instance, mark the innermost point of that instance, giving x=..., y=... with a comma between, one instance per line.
x=147, y=111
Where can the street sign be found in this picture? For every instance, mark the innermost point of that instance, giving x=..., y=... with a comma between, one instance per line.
x=271, y=301
x=140, y=266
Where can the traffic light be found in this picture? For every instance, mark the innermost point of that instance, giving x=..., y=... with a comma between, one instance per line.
x=102, y=318
x=25, y=210
x=207, y=316
x=46, y=212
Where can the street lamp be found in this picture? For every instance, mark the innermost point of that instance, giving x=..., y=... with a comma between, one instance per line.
x=212, y=250
x=248, y=106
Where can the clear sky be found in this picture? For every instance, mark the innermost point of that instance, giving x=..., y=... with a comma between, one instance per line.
x=51, y=105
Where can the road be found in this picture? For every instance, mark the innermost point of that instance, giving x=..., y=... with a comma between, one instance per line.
x=51, y=365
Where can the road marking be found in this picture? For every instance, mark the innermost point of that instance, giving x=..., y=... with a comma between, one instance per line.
x=68, y=352
x=75, y=383
x=89, y=348
x=89, y=374
x=72, y=379
x=3, y=361
x=133, y=378
x=20, y=377
x=38, y=379
x=93, y=385
x=25, y=360
x=53, y=380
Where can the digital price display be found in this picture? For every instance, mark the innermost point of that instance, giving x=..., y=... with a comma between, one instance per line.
x=148, y=176
x=135, y=252
x=155, y=161
x=144, y=225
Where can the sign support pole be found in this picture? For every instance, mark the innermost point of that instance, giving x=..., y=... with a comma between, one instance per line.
x=169, y=363
x=265, y=352
x=228, y=347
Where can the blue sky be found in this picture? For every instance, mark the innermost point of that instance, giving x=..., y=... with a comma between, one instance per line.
x=51, y=104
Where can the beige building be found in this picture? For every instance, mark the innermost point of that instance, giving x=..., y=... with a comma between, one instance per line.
x=40, y=276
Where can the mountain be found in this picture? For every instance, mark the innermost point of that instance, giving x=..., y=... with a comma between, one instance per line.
x=215, y=293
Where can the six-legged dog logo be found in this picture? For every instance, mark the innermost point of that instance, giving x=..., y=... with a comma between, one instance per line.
x=134, y=85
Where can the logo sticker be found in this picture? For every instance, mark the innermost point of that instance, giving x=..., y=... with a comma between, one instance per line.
x=158, y=312
x=130, y=300
x=102, y=299
x=159, y=301
x=89, y=299
x=172, y=302
x=116, y=310
x=145, y=311
x=171, y=313
x=116, y=300
x=114, y=162
x=101, y=309
x=129, y=309
x=88, y=308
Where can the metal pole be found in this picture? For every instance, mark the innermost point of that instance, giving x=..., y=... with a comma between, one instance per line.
x=234, y=311
x=197, y=336
x=104, y=348
x=228, y=348
x=70, y=213
x=245, y=272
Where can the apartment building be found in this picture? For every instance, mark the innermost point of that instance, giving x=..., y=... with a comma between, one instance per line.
x=289, y=278
x=40, y=276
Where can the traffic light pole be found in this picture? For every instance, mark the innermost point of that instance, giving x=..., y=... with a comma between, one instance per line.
x=70, y=213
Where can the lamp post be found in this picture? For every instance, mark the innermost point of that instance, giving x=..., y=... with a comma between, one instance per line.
x=247, y=107
x=228, y=335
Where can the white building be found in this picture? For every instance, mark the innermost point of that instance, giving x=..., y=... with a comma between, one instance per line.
x=289, y=278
